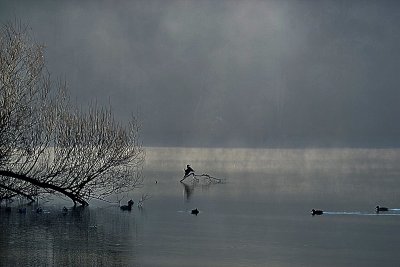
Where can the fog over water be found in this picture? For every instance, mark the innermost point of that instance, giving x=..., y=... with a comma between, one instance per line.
x=259, y=216
x=292, y=104
x=230, y=73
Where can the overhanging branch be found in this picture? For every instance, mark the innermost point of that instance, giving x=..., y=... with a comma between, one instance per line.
x=75, y=198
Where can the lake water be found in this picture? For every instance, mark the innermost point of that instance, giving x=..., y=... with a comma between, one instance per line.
x=259, y=216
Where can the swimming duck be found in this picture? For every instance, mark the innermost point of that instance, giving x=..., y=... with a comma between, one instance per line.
x=378, y=209
x=129, y=206
x=316, y=212
x=195, y=211
x=39, y=210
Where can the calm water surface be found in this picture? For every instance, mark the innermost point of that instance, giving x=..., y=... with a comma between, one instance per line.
x=260, y=216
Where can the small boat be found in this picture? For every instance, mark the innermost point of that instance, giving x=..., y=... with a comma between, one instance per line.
x=316, y=212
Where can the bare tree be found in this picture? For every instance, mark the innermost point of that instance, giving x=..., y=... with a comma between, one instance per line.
x=46, y=145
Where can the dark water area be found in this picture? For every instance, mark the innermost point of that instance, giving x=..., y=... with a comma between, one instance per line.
x=259, y=216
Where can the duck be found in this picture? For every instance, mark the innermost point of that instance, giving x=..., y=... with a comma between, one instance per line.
x=65, y=210
x=129, y=206
x=379, y=208
x=316, y=212
x=39, y=210
x=195, y=211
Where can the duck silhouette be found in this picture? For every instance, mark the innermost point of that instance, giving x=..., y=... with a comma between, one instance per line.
x=195, y=211
x=316, y=212
x=188, y=170
x=129, y=206
x=379, y=208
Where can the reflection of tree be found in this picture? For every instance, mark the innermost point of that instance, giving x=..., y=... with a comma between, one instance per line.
x=81, y=237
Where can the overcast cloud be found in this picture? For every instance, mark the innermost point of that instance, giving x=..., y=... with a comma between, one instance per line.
x=230, y=73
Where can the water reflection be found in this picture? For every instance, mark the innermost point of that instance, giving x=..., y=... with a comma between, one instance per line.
x=260, y=217
x=74, y=238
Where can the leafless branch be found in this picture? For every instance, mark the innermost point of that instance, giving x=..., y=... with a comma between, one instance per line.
x=48, y=144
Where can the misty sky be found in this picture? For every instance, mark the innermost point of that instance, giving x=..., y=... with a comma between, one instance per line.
x=230, y=73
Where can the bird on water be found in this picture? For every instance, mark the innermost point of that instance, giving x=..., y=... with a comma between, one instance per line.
x=379, y=208
x=129, y=206
x=195, y=211
x=316, y=212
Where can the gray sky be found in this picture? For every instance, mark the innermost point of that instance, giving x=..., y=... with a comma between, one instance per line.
x=230, y=73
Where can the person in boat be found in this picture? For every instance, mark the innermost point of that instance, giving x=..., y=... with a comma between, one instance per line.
x=188, y=170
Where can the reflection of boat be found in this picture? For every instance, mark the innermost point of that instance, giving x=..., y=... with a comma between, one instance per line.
x=188, y=190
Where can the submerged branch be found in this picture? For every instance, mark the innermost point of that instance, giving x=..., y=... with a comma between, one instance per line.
x=211, y=178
